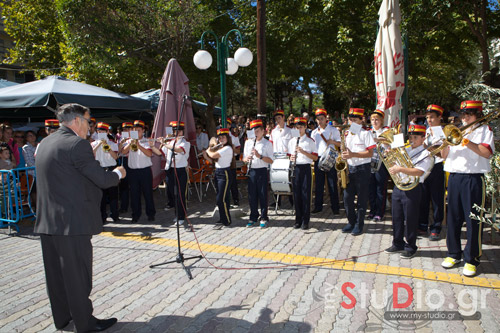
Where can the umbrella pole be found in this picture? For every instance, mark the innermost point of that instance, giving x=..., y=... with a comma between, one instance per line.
x=180, y=257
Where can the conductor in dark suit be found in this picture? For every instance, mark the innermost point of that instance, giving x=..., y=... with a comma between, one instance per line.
x=69, y=182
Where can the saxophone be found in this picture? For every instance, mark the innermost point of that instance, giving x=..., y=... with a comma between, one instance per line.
x=341, y=164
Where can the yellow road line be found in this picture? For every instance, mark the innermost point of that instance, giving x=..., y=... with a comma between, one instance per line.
x=286, y=258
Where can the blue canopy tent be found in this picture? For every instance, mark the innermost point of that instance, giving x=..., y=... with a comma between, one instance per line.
x=39, y=99
x=153, y=95
x=6, y=83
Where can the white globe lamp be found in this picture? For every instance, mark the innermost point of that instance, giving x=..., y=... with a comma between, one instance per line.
x=243, y=56
x=232, y=66
x=202, y=59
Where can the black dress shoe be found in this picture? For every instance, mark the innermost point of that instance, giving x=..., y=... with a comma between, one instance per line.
x=315, y=211
x=134, y=220
x=102, y=324
x=296, y=226
x=305, y=226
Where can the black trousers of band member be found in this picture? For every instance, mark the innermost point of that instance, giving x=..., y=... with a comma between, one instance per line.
x=359, y=178
x=378, y=191
x=257, y=193
x=302, y=193
x=124, y=187
x=234, y=187
x=109, y=195
x=68, y=273
x=405, y=210
x=141, y=182
x=465, y=190
x=223, y=184
x=181, y=192
x=433, y=190
x=331, y=181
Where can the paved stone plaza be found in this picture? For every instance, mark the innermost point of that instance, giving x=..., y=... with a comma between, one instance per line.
x=276, y=279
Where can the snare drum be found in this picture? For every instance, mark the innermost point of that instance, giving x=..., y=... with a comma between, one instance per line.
x=280, y=176
x=327, y=160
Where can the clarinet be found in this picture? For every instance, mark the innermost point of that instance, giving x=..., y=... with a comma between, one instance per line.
x=295, y=160
x=250, y=162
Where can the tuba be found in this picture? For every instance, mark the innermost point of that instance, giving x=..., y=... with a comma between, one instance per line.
x=341, y=164
x=396, y=156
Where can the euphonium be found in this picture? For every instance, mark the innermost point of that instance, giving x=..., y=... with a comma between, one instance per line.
x=341, y=164
x=396, y=156
x=133, y=145
x=105, y=146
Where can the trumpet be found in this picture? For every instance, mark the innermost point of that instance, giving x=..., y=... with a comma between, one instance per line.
x=134, y=145
x=105, y=146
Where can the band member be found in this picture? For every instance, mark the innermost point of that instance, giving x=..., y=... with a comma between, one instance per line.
x=124, y=187
x=406, y=204
x=358, y=154
x=302, y=152
x=258, y=153
x=281, y=134
x=140, y=175
x=106, y=153
x=433, y=188
x=467, y=163
x=236, y=152
x=325, y=136
x=51, y=125
x=223, y=158
x=379, y=174
x=176, y=169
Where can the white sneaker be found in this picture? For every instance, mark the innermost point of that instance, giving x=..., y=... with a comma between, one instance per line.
x=449, y=262
x=180, y=221
x=469, y=270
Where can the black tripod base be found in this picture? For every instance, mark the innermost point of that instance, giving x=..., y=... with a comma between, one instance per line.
x=180, y=260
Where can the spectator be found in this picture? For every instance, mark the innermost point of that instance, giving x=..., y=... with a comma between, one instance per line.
x=7, y=138
x=289, y=121
x=201, y=138
x=19, y=139
x=29, y=149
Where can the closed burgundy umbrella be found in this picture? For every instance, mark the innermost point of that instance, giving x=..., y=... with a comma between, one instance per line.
x=174, y=86
x=389, y=62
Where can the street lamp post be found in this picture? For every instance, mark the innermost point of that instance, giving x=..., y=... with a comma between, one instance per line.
x=242, y=57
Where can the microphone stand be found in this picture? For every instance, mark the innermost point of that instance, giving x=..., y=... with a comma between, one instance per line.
x=180, y=257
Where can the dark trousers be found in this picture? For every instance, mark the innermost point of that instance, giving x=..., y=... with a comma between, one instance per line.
x=302, y=193
x=331, y=180
x=359, y=179
x=68, y=272
x=109, y=195
x=433, y=190
x=234, y=187
x=465, y=190
x=141, y=182
x=123, y=187
x=223, y=181
x=174, y=191
x=378, y=191
x=257, y=193
x=405, y=209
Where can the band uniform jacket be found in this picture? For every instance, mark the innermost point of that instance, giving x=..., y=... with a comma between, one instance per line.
x=69, y=182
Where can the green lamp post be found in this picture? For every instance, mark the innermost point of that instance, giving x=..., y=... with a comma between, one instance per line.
x=225, y=65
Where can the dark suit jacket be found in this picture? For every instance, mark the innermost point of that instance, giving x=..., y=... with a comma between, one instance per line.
x=69, y=182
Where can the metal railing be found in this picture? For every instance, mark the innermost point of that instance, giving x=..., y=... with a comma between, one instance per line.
x=16, y=196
